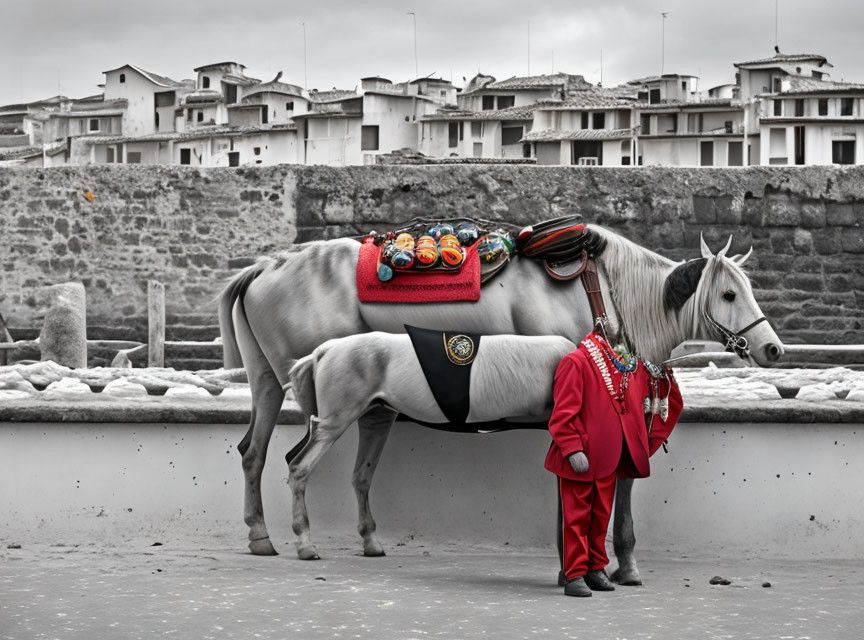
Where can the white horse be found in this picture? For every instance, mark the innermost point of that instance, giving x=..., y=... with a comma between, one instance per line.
x=281, y=309
x=345, y=378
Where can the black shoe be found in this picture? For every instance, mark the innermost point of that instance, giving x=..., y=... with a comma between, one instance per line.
x=577, y=588
x=597, y=581
x=562, y=579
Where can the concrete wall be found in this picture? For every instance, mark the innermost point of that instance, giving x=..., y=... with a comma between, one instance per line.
x=713, y=493
x=193, y=228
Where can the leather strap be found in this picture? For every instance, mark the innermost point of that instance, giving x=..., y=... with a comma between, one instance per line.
x=591, y=282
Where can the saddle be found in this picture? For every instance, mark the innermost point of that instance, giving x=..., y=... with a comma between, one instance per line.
x=567, y=249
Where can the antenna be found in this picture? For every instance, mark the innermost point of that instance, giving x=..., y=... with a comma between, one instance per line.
x=776, y=24
x=305, y=67
x=601, y=67
x=416, y=66
x=665, y=14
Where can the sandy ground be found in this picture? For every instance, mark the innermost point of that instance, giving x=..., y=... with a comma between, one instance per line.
x=136, y=590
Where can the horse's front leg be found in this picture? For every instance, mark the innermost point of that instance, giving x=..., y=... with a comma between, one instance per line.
x=374, y=429
x=623, y=538
x=321, y=436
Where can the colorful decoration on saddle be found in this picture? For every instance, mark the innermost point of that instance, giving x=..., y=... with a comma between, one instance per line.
x=440, y=247
x=657, y=403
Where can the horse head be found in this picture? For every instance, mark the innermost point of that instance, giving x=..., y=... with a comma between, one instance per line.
x=723, y=306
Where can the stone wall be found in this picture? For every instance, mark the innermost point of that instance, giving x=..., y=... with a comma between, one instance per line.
x=193, y=228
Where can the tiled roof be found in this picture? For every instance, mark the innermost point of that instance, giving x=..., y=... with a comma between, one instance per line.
x=687, y=104
x=193, y=134
x=554, y=135
x=538, y=82
x=217, y=65
x=592, y=99
x=243, y=81
x=202, y=96
x=786, y=58
x=274, y=87
x=665, y=76
x=155, y=78
x=333, y=95
x=812, y=85
x=13, y=153
x=525, y=112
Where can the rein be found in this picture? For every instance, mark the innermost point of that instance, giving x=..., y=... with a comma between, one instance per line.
x=735, y=340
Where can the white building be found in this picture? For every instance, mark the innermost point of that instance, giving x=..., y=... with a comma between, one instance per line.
x=151, y=99
x=484, y=93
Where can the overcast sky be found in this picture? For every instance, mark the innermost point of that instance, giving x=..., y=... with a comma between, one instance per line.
x=69, y=43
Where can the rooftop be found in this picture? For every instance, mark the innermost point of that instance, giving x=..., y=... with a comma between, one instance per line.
x=333, y=95
x=526, y=83
x=155, y=78
x=274, y=87
x=198, y=132
x=802, y=85
x=218, y=65
x=554, y=135
x=665, y=76
x=525, y=112
x=787, y=58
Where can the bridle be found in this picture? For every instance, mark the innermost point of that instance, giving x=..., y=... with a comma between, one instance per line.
x=735, y=340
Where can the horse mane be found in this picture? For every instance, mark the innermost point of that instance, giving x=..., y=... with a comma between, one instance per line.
x=659, y=302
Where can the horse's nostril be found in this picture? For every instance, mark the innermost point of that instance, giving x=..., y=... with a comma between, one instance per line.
x=772, y=351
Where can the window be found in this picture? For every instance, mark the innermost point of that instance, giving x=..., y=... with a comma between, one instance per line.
x=488, y=103
x=823, y=106
x=799, y=145
x=478, y=149
x=736, y=154
x=205, y=82
x=289, y=106
x=645, y=125
x=584, y=119
x=185, y=156
x=453, y=135
x=526, y=150
x=625, y=153
x=511, y=135
x=476, y=129
x=845, y=106
x=109, y=155
x=230, y=93
x=369, y=138
x=598, y=120
x=727, y=126
x=256, y=151
x=642, y=96
x=586, y=152
x=200, y=116
x=133, y=157
x=777, y=147
x=777, y=85
x=706, y=153
x=188, y=115
x=654, y=96
x=683, y=85
x=673, y=123
x=264, y=115
x=778, y=107
x=504, y=102
x=122, y=77
x=94, y=124
x=799, y=108
x=233, y=158
x=843, y=151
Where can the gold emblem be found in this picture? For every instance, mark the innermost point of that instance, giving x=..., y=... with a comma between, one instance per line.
x=460, y=349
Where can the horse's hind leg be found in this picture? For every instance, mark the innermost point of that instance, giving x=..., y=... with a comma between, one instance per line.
x=320, y=438
x=623, y=538
x=374, y=429
x=267, y=397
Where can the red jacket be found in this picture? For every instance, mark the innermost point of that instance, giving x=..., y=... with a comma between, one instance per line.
x=586, y=418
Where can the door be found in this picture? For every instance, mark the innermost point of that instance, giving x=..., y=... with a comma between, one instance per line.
x=233, y=158
x=799, y=145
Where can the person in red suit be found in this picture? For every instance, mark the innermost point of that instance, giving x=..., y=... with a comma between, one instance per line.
x=611, y=413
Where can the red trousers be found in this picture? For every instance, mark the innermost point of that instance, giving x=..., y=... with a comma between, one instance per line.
x=586, y=509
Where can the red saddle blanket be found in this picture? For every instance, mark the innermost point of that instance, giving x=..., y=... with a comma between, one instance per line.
x=435, y=286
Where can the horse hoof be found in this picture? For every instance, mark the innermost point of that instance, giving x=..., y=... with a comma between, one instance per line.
x=626, y=578
x=262, y=547
x=308, y=553
x=374, y=553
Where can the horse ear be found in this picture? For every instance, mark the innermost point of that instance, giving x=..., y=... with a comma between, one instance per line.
x=740, y=260
x=682, y=283
x=723, y=251
x=706, y=252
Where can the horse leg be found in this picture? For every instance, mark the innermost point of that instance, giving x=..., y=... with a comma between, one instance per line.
x=320, y=438
x=267, y=397
x=623, y=538
x=374, y=429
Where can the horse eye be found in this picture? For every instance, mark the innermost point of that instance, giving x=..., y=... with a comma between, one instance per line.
x=729, y=295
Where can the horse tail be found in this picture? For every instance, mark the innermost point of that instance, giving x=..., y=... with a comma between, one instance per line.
x=302, y=377
x=235, y=291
